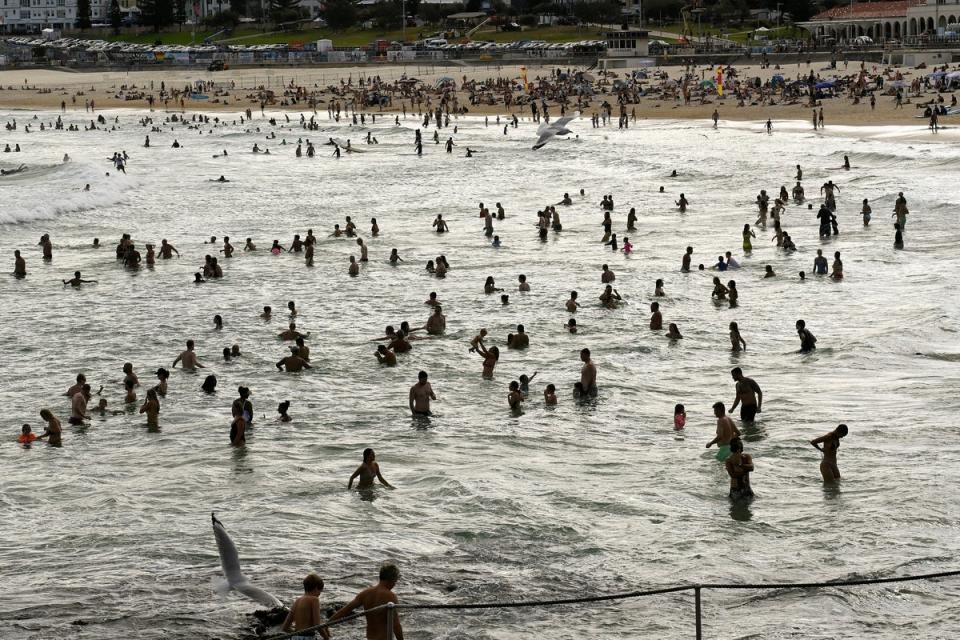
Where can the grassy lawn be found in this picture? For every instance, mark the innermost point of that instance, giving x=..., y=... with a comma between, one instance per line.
x=360, y=37
x=349, y=38
x=547, y=34
x=734, y=33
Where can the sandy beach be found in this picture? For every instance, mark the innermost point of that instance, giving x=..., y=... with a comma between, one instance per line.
x=46, y=89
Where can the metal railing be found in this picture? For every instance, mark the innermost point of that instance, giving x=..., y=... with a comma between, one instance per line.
x=696, y=588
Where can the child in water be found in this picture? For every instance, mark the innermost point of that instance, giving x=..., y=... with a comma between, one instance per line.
x=525, y=383
x=282, y=409
x=627, y=247
x=477, y=340
x=550, y=395
x=27, y=436
x=679, y=417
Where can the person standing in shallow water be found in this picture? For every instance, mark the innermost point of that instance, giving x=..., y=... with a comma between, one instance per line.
x=305, y=612
x=726, y=432
x=373, y=597
x=808, y=342
x=831, y=442
x=739, y=466
x=367, y=472
x=420, y=396
x=749, y=396
x=588, y=374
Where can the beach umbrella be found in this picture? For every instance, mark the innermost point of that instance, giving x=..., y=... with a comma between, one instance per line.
x=827, y=84
x=706, y=84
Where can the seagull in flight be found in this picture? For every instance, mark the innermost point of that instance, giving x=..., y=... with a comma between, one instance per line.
x=548, y=130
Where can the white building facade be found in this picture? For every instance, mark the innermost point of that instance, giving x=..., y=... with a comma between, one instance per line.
x=32, y=16
x=900, y=20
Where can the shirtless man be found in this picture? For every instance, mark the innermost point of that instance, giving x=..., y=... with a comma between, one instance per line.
x=436, y=323
x=76, y=280
x=726, y=431
x=420, y=396
x=375, y=596
x=305, y=611
x=588, y=374
x=81, y=380
x=291, y=333
x=302, y=350
x=367, y=472
x=78, y=405
x=19, y=265
x=656, y=320
x=572, y=303
x=749, y=396
x=188, y=359
x=685, y=264
x=607, y=276
x=293, y=362
x=167, y=250
x=385, y=356
x=399, y=343
x=520, y=339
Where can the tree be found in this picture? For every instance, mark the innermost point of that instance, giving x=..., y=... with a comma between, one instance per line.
x=798, y=9
x=386, y=14
x=83, y=14
x=605, y=11
x=340, y=14
x=239, y=7
x=180, y=11
x=157, y=13
x=284, y=10
x=116, y=18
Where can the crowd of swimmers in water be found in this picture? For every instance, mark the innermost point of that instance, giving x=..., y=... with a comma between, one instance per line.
x=396, y=341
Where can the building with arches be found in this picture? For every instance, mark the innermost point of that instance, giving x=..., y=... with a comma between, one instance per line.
x=902, y=20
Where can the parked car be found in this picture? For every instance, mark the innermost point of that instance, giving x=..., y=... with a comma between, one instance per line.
x=216, y=65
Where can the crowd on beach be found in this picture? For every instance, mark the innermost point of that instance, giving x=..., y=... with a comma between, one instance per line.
x=435, y=110
x=786, y=88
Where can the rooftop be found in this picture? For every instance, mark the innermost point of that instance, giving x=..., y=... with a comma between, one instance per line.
x=868, y=10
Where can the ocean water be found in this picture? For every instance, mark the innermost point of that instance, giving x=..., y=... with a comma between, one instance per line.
x=109, y=536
